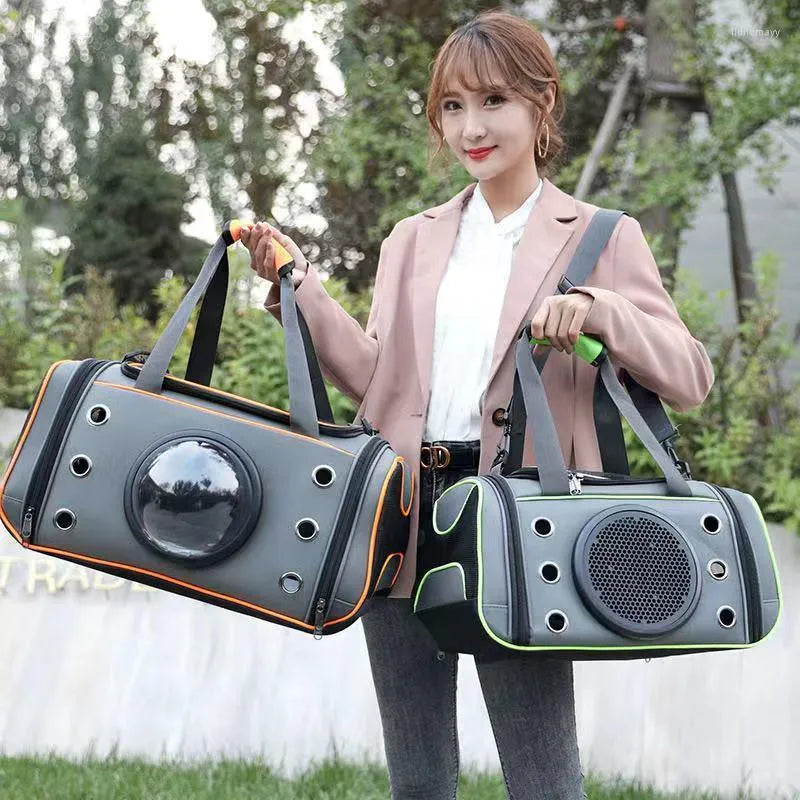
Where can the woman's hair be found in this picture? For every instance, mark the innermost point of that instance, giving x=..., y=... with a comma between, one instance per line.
x=500, y=42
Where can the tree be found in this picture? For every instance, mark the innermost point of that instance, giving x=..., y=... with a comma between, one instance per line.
x=128, y=227
x=31, y=155
x=244, y=112
x=80, y=152
x=762, y=86
x=683, y=61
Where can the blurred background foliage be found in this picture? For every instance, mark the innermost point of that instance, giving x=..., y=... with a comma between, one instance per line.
x=102, y=152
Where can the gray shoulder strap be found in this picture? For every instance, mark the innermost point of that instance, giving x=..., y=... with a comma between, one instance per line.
x=594, y=239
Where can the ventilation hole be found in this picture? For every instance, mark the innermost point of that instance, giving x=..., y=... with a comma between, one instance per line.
x=711, y=523
x=542, y=526
x=726, y=616
x=549, y=572
x=323, y=475
x=98, y=415
x=718, y=569
x=80, y=466
x=64, y=519
x=556, y=621
x=306, y=529
x=291, y=582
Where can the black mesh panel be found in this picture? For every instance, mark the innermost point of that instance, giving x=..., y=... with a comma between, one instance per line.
x=636, y=572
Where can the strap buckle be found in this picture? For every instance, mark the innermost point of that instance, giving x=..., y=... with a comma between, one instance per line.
x=499, y=458
x=683, y=466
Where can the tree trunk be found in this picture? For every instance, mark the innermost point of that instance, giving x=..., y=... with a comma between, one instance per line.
x=24, y=234
x=668, y=105
x=744, y=282
x=605, y=133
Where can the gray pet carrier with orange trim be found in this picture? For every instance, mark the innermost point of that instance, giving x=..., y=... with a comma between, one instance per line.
x=169, y=482
x=593, y=565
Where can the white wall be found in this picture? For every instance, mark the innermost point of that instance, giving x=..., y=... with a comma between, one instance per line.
x=90, y=662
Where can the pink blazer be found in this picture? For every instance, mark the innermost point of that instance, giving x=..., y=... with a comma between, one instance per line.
x=386, y=369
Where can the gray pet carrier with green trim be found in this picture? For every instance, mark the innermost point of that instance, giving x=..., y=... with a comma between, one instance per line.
x=594, y=565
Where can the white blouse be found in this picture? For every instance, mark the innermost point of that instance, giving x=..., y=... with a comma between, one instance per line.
x=468, y=310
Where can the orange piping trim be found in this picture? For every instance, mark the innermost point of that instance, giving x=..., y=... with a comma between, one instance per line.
x=223, y=414
x=228, y=394
x=406, y=511
x=372, y=538
x=397, y=574
x=200, y=589
x=24, y=435
x=386, y=564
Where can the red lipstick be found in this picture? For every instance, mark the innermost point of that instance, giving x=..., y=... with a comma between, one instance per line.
x=479, y=153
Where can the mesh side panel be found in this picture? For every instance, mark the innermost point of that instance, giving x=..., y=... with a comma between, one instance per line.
x=459, y=546
x=392, y=535
x=639, y=570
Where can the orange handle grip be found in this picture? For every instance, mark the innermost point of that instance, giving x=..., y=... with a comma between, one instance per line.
x=233, y=232
x=282, y=255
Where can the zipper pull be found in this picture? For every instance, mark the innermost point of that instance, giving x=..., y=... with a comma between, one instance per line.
x=319, y=618
x=27, y=523
x=574, y=483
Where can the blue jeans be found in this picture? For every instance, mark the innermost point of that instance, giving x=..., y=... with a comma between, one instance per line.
x=530, y=701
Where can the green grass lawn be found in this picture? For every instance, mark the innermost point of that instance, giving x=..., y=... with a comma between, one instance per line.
x=117, y=779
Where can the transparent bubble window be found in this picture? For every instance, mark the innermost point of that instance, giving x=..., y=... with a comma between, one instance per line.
x=194, y=498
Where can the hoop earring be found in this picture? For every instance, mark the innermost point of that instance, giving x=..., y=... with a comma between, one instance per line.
x=539, y=142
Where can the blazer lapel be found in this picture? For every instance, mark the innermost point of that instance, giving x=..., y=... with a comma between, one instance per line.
x=436, y=236
x=549, y=228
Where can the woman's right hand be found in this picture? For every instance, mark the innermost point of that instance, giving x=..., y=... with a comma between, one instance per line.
x=258, y=239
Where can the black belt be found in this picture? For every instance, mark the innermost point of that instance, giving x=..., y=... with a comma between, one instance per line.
x=450, y=455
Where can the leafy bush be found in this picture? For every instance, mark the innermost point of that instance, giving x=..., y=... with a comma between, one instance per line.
x=250, y=357
x=747, y=432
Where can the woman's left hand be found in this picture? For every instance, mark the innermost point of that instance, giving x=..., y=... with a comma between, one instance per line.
x=560, y=318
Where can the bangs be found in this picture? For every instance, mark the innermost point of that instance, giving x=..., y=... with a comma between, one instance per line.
x=496, y=52
x=471, y=63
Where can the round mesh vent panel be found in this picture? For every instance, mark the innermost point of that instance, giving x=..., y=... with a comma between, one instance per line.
x=636, y=572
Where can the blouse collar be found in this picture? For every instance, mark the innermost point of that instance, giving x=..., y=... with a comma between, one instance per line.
x=478, y=210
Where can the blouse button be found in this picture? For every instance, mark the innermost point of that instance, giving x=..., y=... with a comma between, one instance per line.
x=499, y=416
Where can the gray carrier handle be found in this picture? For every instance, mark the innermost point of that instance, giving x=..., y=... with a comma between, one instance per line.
x=553, y=473
x=606, y=418
x=306, y=397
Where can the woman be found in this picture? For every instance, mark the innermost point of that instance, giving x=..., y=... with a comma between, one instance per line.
x=434, y=372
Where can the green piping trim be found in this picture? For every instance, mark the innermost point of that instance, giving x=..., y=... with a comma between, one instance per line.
x=458, y=517
x=615, y=497
x=439, y=569
x=774, y=569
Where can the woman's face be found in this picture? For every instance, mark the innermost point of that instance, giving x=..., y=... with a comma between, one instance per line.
x=490, y=131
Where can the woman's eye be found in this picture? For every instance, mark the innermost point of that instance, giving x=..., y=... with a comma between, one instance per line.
x=450, y=105
x=498, y=98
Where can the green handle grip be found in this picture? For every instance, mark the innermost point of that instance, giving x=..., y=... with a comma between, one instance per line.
x=592, y=351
